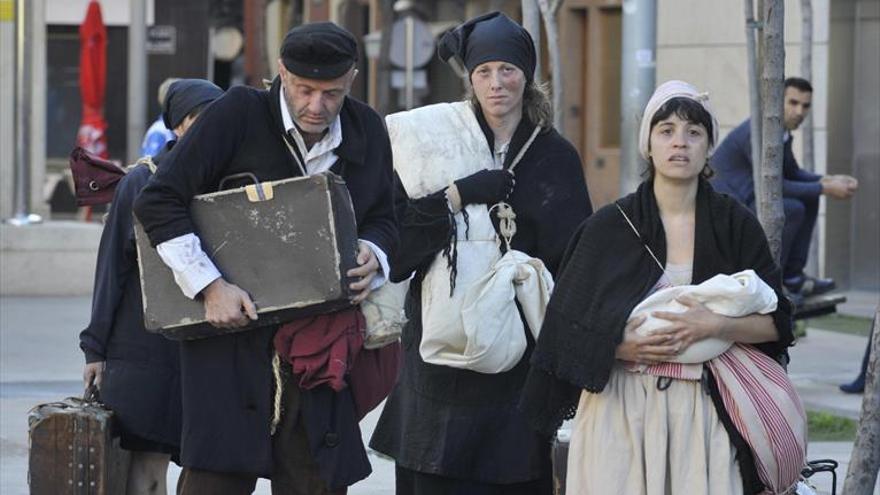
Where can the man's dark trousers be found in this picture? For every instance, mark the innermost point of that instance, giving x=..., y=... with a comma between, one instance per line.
x=800, y=219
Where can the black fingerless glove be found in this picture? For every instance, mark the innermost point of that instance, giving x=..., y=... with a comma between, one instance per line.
x=485, y=187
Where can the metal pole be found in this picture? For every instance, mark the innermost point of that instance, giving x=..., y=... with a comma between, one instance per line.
x=209, y=70
x=409, y=24
x=637, y=81
x=137, y=79
x=809, y=160
x=23, y=83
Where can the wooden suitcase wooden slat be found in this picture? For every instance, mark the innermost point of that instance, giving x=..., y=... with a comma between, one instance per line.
x=74, y=450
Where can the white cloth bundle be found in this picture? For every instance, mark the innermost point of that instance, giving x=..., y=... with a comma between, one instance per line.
x=740, y=294
x=495, y=338
x=433, y=146
x=384, y=315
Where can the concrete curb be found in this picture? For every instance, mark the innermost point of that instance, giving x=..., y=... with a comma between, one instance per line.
x=49, y=259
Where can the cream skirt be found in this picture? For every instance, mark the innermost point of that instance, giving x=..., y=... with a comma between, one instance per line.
x=633, y=439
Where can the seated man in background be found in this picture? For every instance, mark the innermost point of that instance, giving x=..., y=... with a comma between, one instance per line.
x=801, y=189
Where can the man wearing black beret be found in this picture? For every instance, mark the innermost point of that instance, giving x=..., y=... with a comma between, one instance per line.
x=305, y=123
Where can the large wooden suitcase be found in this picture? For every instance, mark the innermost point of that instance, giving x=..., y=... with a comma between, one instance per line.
x=74, y=450
x=288, y=243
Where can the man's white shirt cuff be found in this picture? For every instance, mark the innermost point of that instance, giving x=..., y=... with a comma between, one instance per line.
x=192, y=268
x=382, y=275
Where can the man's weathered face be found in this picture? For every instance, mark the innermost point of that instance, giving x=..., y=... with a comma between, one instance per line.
x=314, y=103
x=796, y=107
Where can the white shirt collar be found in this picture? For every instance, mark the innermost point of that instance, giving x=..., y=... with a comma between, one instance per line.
x=320, y=157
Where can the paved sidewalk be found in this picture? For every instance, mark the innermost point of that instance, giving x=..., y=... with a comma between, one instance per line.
x=861, y=303
x=819, y=363
x=40, y=362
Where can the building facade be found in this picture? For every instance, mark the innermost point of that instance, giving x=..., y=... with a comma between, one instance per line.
x=700, y=41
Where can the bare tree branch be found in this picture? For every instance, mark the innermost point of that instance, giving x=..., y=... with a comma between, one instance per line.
x=549, y=10
x=531, y=16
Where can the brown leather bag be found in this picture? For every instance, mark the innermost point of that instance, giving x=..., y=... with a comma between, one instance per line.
x=94, y=178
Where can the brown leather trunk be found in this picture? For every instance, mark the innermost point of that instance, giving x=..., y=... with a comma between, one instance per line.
x=74, y=450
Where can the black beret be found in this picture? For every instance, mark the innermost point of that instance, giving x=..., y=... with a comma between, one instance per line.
x=183, y=96
x=320, y=50
x=492, y=37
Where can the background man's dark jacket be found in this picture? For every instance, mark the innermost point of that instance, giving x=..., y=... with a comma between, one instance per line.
x=227, y=380
x=732, y=162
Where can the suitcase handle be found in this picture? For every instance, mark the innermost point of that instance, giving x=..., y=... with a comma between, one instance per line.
x=91, y=394
x=258, y=191
x=243, y=175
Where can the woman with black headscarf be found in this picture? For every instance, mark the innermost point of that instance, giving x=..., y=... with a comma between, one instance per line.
x=449, y=428
x=647, y=421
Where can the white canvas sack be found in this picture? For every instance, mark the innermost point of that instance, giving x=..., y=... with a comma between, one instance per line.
x=495, y=336
x=433, y=146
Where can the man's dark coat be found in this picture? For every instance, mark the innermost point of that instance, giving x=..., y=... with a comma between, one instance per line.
x=227, y=381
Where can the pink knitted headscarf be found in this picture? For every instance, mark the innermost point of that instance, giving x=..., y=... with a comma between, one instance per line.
x=665, y=92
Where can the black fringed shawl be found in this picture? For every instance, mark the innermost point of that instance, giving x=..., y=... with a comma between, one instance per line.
x=606, y=271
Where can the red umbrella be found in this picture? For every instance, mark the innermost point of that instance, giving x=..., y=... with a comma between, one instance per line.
x=92, y=79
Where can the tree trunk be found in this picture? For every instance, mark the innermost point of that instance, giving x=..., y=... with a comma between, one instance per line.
x=861, y=477
x=531, y=20
x=549, y=9
x=383, y=75
x=752, y=30
x=769, y=203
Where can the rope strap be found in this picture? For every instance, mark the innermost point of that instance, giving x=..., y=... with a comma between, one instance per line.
x=506, y=215
x=279, y=387
x=506, y=221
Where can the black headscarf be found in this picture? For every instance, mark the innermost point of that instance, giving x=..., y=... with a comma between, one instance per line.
x=492, y=37
x=184, y=96
x=607, y=271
